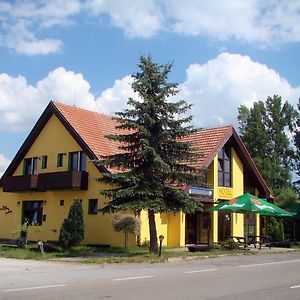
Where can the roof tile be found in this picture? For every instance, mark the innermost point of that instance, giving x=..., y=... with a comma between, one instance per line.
x=93, y=127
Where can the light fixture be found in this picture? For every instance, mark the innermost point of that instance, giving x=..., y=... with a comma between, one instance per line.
x=161, y=238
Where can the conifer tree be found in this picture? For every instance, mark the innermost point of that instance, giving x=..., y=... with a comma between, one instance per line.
x=154, y=158
x=72, y=231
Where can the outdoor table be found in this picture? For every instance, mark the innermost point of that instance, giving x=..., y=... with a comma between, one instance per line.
x=252, y=240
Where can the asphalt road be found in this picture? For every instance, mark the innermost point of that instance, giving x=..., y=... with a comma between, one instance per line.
x=269, y=276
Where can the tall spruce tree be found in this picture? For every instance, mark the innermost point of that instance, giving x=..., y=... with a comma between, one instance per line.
x=154, y=158
x=265, y=130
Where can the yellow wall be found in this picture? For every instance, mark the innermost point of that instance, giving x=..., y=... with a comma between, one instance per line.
x=55, y=139
x=238, y=189
x=228, y=193
x=176, y=229
x=161, y=221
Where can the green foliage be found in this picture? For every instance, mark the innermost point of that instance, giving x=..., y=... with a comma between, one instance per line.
x=265, y=129
x=275, y=230
x=229, y=244
x=297, y=148
x=127, y=224
x=72, y=231
x=145, y=243
x=287, y=198
x=154, y=157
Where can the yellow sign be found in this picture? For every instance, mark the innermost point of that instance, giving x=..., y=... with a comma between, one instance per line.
x=225, y=193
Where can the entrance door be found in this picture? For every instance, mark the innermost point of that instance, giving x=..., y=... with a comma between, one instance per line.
x=224, y=226
x=191, y=229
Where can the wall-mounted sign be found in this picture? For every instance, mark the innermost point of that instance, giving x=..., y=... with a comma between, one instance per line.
x=201, y=192
x=225, y=193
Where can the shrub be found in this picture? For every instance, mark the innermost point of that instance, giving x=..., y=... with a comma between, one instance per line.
x=229, y=244
x=275, y=230
x=127, y=224
x=72, y=231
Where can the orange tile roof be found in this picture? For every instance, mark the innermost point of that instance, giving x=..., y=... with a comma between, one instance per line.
x=209, y=141
x=92, y=127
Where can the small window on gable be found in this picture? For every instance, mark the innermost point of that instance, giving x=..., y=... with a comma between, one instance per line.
x=44, y=161
x=60, y=160
x=61, y=202
x=224, y=167
x=93, y=206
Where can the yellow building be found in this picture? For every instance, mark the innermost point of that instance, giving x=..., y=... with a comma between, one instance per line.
x=54, y=166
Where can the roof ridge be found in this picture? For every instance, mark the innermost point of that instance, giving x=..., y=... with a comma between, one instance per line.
x=55, y=102
x=217, y=127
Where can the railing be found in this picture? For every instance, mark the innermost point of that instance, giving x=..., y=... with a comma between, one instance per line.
x=20, y=183
x=74, y=180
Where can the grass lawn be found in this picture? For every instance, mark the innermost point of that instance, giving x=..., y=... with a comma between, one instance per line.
x=107, y=254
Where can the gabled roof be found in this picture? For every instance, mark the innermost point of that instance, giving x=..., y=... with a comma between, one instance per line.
x=90, y=128
x=209, y=141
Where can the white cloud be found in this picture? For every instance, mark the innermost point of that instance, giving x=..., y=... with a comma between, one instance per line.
x=137, y=18
x=220, y=86
x=21, y=103
x=216, y=89
x=264, y=23
x=4, y=162
x=23, y=21
x=252, y=21
x=115, y=99
x=23, y=41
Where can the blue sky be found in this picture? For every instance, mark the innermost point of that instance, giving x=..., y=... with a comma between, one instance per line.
x=82, y=52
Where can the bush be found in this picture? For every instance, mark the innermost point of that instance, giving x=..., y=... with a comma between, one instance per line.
x=145, y=243
x=275, y=230
x=127, y=224
x=72, y=231
x=229, y=244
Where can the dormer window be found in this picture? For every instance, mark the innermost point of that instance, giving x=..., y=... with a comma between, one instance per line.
x=30, y=166
x=224, y=167
x=77, y=161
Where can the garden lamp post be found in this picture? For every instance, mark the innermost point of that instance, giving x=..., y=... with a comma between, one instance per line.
x=161, y=238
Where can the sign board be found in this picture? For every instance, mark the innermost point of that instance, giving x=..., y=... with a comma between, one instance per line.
x=225, y=193
x=201, y=192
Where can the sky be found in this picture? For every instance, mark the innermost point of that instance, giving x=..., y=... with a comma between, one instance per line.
x=82, y=52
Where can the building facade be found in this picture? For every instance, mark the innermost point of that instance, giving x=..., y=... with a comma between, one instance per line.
x=54, y=166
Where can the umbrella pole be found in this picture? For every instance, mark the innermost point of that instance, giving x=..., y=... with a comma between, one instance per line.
x=246, y=233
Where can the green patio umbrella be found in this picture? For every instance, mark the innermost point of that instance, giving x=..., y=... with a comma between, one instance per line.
x=247, y=204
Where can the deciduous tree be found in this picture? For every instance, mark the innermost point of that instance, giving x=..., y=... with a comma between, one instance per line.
x=266, y=129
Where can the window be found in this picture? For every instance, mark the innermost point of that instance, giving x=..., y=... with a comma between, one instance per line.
x=32, y=212
x=224, y=167
x=60, y=160
x=61, y=202
x=93, y=206
x=44, y=161
x=77, y=161
x=30, y=166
